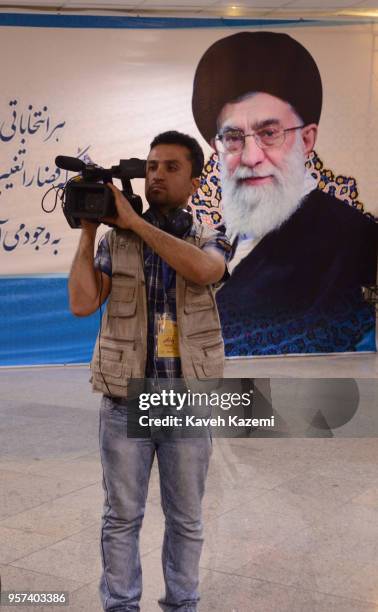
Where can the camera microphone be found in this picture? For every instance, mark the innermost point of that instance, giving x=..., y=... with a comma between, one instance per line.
x=70, y=163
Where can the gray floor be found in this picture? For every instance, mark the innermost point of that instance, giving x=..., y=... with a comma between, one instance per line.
x=290, y=523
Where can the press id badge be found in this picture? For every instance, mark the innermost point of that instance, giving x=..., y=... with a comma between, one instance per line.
x=167, y=336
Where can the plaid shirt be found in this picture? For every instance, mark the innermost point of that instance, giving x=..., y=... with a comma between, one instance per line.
x=161, y=295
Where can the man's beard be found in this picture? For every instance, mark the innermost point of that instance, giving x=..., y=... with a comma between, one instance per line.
x=258, y=210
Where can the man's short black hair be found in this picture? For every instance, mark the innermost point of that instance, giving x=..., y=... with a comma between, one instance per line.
x=190, y=143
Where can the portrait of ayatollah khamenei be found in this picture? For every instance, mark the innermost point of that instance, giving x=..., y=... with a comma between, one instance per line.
x=303, y=247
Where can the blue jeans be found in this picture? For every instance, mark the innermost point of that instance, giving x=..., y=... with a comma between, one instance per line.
x=127, y=462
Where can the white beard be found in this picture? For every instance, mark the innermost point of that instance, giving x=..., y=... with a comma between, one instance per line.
x=258, y=210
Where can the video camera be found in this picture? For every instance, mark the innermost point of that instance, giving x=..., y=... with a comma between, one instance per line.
x=87, y=197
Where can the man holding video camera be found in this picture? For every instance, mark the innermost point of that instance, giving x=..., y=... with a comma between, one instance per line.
x=161, y=322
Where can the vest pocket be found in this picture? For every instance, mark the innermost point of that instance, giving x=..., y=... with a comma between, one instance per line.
x=111, y=362
x=211, y=362
x=214, y=351
x=208, y=369
x=122, y=302
x=197, y=298
x=109, y=368
x=207, y=338
x=110, y=354
x=112, y=371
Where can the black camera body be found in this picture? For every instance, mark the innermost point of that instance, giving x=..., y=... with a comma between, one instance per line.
x=87, y=197
x=86, y=200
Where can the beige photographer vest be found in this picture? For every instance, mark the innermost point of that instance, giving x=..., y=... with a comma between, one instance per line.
x=120, y=352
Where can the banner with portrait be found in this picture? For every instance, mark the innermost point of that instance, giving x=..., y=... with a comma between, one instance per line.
x=100, y=89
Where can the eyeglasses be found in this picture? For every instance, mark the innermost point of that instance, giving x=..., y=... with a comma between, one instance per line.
x=233, y=140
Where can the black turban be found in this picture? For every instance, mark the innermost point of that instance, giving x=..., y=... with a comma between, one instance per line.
x=250, y=62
